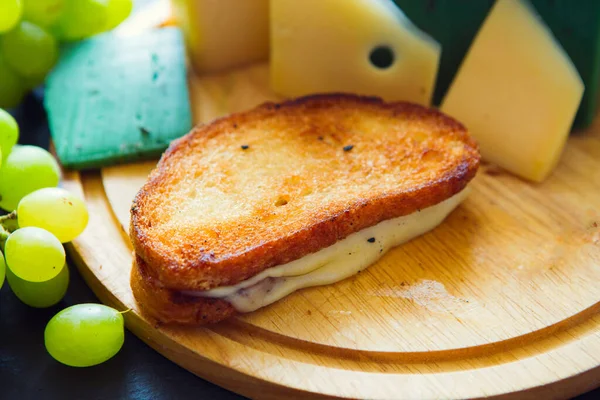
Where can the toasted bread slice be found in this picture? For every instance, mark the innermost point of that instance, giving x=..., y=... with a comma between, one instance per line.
x=268, y=186
x=171, y=306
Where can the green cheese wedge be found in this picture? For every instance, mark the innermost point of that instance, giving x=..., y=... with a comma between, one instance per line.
x=116, y=99
x=454, y=24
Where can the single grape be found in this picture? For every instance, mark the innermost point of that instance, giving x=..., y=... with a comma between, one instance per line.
x=55, y=209
x=12, y=88
x=10, y=15
x=81, y=19
x=31, y=82
x=26, y=169
x=85, y=335
x=43, y=12
x=29, y=50
x=34, y=254
x=117, y=12
x=2, y=269
x=39, y=294
x=9, y=132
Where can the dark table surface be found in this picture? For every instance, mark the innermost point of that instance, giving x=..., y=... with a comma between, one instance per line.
x=28, y=372
x=136, y=372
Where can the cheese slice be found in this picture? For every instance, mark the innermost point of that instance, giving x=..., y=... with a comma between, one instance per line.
x=516, y=91
x=327, y=46
x=221, y=34
x=339, y=261
x=130, y=100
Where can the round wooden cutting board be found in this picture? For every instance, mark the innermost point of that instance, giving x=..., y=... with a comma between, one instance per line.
x=502, y=299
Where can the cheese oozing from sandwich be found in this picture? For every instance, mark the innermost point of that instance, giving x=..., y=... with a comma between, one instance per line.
x=339, y=261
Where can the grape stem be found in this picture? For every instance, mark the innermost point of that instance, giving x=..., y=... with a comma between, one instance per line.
x=4, y=234
x=9, y=222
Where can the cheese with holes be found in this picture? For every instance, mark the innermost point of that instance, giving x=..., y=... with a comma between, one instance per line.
x=516, y=91
x=328, y=46
x=221, y=34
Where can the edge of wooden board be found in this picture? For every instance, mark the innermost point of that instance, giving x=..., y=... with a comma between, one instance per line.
x=576, y=348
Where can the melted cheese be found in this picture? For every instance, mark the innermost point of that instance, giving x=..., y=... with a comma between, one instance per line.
x=339, y=261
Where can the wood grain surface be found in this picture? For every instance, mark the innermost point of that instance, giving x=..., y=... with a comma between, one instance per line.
x=500, y=300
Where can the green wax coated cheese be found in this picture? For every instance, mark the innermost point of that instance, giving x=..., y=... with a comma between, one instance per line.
x=114, y=99
x=454, y=24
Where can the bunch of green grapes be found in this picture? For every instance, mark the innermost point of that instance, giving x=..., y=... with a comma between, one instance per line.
x=30, y=31
x=42, y=218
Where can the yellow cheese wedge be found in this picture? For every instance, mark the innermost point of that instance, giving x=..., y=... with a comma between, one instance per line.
x=221, y=34
x=517, y=91
x=327, y=46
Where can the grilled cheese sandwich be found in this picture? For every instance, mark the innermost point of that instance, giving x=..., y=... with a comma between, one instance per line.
x=252, y=207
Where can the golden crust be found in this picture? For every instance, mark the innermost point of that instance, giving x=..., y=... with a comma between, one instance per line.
x=172, y=307
x=273, y=184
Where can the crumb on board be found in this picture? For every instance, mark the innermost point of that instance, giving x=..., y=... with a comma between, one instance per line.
x=493, y=170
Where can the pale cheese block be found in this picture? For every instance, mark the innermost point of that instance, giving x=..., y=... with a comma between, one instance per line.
x=517, y=91
x=325, y=46
x=221, y=34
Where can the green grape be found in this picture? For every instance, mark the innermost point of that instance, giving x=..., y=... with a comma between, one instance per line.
x=85, y=335
x=2, y=269
x=55, y=209
x=10, y=15
x=26, y=169
x=39, y=294
x=34, y=254
x=43, y=12
x=29, y=50
x=9, y=133
x=81, y=19
x=118, y=11
x=32, y=82
x=12, y=88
